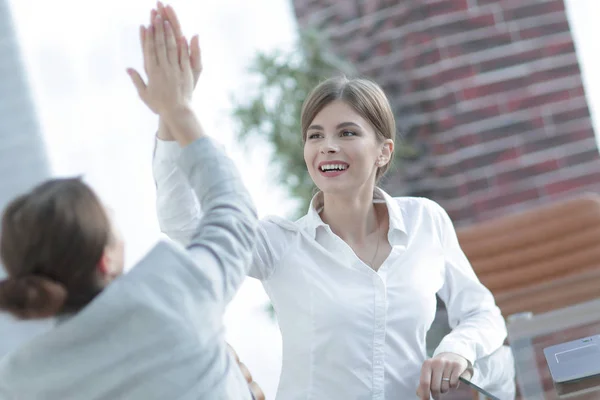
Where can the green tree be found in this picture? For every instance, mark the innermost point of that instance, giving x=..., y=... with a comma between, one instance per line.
x=284, y=80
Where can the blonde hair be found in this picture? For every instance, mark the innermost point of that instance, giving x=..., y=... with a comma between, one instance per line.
x=364, y=96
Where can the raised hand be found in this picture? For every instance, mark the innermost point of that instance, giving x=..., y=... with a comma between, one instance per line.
x=168, y=66
x=168, y=13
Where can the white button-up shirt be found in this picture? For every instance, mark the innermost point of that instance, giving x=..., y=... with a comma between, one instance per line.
x=350, y=332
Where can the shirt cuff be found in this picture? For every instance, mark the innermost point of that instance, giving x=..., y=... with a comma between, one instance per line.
x=167, y=150
x=457, y=347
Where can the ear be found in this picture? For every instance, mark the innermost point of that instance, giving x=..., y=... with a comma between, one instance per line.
x=387, y=150
x=103, y=266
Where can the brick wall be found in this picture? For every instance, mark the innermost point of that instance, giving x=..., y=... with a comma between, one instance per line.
x=489, y=92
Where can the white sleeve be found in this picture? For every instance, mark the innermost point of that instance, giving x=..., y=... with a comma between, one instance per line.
x=478, y=328
x=177, y=206
x=223, y=241
x=179, y=212
x=272, y=244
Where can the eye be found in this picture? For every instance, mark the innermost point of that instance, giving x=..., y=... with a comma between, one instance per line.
x=348, y=133
x=314, y=136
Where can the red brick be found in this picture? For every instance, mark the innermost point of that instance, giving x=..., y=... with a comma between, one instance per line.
x=527, y=172
x=509, y=128
x=484, y=183
x=489, y=158
x=434, y=8
x=525, y=102
x=453, y=191
x=422, y=59
x=579, y=183
x=536, y=9
x=464, y=141
x=557, y=140
x=577, y=91
x=474, y=92
x=505, y=61
x=464, y=26
x=487, y=2
x=501, y=198
x=557, y=47
x=561, y=71
x=456, y=73
x=562, y=117
x=586, y=155
x=496, y=38
x=479, y=114
x=544, y=30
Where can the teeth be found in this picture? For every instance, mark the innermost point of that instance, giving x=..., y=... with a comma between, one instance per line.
x=331, y=167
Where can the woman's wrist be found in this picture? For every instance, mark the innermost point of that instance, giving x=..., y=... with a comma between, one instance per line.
x=164, y=133
x=183, y=124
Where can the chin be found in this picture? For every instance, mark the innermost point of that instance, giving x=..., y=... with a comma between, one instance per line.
x=336, y=188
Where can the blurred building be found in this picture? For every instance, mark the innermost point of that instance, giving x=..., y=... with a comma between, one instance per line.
x=489, y=92
x=23, y=160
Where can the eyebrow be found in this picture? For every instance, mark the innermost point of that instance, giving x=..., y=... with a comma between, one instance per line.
x=339, y=126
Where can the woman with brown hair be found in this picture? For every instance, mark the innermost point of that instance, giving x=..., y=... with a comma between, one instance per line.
x=155, y=332
x=354, y=281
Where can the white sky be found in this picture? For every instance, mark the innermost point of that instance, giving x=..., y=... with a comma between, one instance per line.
x=76, y=53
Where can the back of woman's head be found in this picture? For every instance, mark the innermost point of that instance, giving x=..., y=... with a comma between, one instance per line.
x=364, y=96
x=51, y=241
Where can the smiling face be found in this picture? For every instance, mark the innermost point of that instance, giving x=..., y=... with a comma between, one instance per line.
x=342, y=150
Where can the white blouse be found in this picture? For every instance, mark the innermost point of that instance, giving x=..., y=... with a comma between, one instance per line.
x=350, y=332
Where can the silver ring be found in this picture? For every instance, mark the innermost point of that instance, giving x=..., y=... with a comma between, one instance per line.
x=446, y=379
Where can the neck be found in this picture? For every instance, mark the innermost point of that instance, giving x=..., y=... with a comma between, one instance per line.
x=351, y=217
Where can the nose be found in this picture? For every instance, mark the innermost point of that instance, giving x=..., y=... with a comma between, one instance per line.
x=329, y=147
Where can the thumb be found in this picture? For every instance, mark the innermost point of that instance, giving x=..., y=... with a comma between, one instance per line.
x=137, y=80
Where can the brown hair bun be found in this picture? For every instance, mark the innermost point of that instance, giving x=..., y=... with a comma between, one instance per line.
x=32, y=297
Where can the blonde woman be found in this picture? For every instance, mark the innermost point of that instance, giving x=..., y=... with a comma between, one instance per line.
x=354, y=281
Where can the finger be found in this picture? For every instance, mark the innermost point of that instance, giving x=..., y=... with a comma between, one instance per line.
x=184, y=55
x=159, y=40
x=232, y=351
x=195, y=56
x=143, y=44
x=256, y=391
x=456, y=373
x=142, y=35
x=137, y=80
x=425, y=382
x=149, y=51
x=172, y=49
x=445, y=382
x=245, y=372
x=437, y=372
x=173, y=20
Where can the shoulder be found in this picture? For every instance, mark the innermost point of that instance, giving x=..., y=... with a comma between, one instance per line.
x=419, y=212
x=277, y=233
x=278, y=224
x=419, y=205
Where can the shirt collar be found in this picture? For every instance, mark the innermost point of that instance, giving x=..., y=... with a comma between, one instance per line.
x=312, y=220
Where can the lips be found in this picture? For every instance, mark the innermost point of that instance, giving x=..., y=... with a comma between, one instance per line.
x=332, y=168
